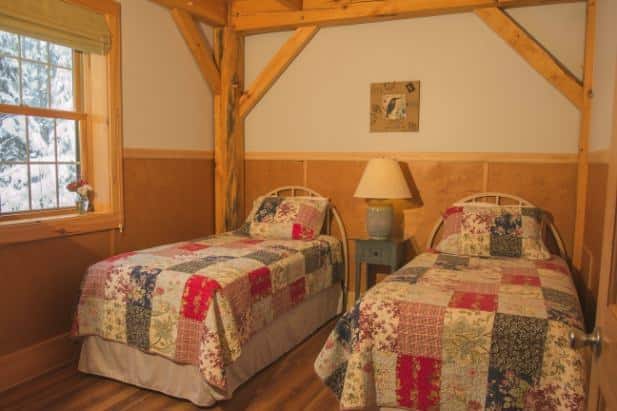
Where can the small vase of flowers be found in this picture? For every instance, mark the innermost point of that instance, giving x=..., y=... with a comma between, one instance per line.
x=82, y=189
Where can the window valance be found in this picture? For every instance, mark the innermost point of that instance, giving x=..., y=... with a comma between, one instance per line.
x=58, y=22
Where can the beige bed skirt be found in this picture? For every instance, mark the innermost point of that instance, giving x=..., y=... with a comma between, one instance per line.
x=130, y=365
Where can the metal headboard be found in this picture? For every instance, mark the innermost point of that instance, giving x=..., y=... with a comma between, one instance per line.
x=498, y=199
x=332, y=213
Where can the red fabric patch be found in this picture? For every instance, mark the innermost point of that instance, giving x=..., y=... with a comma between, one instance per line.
x=551, y=265
x=452, y=210
x=297, y=290
x=120, y=256
x=188, y=340
x=261, y=283
x=193, y=247
x=198, y=292
x=474, y=301
x=520, y=279
x=418, y=382
x=301, y=232
x=252, y=241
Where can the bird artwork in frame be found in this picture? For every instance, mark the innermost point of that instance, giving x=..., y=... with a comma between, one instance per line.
x=395, y=106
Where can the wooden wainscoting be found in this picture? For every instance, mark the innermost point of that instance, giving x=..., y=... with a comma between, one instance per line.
x=436, y=180
x=587, y=281
x=168, y=196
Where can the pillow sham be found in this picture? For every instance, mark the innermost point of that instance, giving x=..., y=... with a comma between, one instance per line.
x=287, y=218
x=486, y=230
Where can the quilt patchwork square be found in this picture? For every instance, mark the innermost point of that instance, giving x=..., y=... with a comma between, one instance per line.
x=188, y=340
x=384, y=368
x=518, y=345
x=264, y=256
x=518, y=279
x=193, y=247
x=563, y=307
x=508, y=245
x=261, y=283
x=474, y=301
x=198, y=294
x=419, y=329
x=419, y=381
x=138, y=326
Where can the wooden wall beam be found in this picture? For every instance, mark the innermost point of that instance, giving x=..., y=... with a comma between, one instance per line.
x=229, y=133
x=583, y=145
x=350, y=12
x=213, y=12
x=200, y=48
x=279, y=63
x=291, y=4
x=541, y=60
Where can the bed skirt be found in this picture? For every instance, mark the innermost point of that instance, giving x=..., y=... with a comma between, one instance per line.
x=130, y=365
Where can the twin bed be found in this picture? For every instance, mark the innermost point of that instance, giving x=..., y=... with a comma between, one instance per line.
x=448, y=331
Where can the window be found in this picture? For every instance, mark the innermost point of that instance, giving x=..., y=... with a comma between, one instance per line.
x=40, y=148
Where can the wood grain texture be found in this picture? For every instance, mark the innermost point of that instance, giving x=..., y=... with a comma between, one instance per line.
x=549, y=186
x=585, y=129
x=263, y=176
x=166, y=201
x=41, y=286
x=288, y=384
x=213, y=12
x=594, y=231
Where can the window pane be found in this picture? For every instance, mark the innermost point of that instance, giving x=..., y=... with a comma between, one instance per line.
x=67, y=140
x=34, y=81
x=34, y=49
x=61, y=89
x=12, y=138
x=60, y=55
x=9, y=44
x=14, y=188
x=67, y=173
x=41, y=138
x=9, y=80
x=43, y=186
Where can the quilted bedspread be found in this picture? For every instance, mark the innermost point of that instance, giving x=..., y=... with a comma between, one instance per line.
x=198, y=302
x=460, y=333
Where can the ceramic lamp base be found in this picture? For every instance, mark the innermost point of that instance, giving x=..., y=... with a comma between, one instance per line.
x=379, y=221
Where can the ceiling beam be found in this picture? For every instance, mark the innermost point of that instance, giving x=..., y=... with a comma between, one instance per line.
x=537, y=57
x=291, y=4
x=212, y=12
x=279, y=63
x=350, y=12
x=200, y=48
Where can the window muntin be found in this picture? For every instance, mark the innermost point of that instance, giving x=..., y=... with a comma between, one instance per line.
x=39, y=153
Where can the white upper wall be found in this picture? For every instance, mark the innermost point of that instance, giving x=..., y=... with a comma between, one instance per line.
x=604, y=75
x=477, y=94
x=167, y=103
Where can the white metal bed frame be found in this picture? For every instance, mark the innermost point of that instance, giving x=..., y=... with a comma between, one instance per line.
x=295, y=191
x=498, y=199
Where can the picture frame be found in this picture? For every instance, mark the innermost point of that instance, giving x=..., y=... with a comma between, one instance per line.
x=395, y=106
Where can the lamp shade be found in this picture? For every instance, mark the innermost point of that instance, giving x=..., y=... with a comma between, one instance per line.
x=382, y=179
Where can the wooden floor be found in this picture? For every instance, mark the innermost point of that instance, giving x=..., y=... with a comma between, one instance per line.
x=288, y=384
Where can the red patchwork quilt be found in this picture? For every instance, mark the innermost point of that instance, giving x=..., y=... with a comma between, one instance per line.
x=199, y=302
x=460, y=333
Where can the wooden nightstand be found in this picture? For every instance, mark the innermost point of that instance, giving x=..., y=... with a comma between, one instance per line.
x=388, y=252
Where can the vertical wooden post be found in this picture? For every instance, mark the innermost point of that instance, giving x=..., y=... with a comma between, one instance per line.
x=228, y=132
x=583, y=151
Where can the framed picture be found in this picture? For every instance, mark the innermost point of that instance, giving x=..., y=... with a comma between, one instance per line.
x=395, y=106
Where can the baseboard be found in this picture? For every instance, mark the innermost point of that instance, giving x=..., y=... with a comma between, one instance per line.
x=31, y=362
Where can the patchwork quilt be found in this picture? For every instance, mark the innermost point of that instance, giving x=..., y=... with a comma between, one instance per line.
x=199, y=302
x=460, y=333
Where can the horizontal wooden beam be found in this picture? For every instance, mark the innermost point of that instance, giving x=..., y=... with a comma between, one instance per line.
x=279, y=63
x=213, y=12
x=540, y=59
x=291, y=4
x=350, y=12
x=200, y=48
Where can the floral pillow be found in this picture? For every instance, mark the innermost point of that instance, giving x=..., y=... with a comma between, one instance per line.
x=486, y=230
x=284, y=218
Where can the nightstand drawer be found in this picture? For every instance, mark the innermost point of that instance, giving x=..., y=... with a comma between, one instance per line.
x=375, y=254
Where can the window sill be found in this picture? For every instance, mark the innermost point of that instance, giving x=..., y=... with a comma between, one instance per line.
x=19, y=231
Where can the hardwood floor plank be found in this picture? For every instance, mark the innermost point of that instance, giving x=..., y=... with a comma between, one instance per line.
x=288, y=384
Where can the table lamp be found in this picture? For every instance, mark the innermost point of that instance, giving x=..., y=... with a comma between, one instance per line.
x=382, y=180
